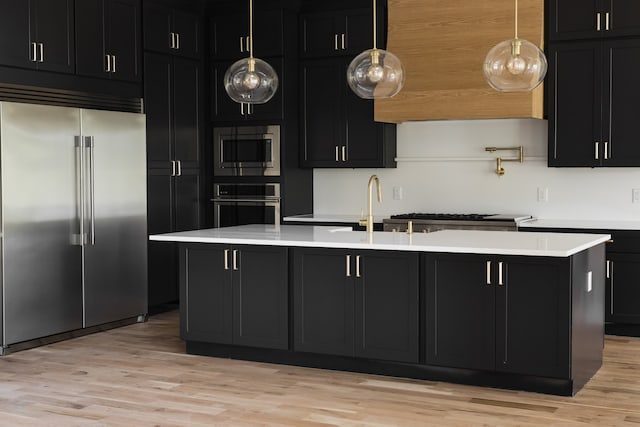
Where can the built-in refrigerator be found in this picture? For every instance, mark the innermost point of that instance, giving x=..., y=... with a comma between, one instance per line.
x=73, y=218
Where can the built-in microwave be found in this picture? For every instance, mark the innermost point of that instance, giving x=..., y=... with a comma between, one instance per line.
x=246, y=151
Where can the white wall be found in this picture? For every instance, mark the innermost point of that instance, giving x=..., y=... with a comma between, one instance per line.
x=443, y=167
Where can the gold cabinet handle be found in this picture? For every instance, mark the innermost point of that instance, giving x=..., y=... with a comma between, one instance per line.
x=606, y=150
x=337, y=153
x=108, y=63
x=41, y=45
x=500, y=282
x=488, y=272
x=34, y=51
x=357, y=265
x=597, y=150
x=173, y=40
x=348, y=258
x=335, y=42
x=344, y=153
x=226, y=259
x=598, y=18
x=343, y=41
x=606, y=21
x=235, y=260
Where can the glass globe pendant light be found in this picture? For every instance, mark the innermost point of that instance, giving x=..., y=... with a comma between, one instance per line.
x=515, y=65
x=375, y=73
x=251, y=80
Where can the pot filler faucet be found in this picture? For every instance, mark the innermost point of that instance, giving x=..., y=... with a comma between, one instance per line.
x=368, y=221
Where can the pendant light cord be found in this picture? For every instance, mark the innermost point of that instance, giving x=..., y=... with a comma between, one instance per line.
x=251, y=28
x=516, y=20
x=375, y=32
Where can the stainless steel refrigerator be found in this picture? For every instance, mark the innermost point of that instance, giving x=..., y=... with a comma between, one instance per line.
x=73, y=217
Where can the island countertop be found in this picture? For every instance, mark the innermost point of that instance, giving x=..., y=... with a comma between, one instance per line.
x=451, y=241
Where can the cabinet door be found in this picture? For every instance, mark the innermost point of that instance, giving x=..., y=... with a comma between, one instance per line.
x=459, y=311
x=386, y=306
x=187, y=201
x=162, y=287
x=624, y=17
x=187, y=109
x=620, y=107
x=323, y=121
x=90, y=39
x=158, y=22
x=53, y=22
x=574, y=101
x=363, y=135
x=623, y=291
x=229, y=36
x=158, y=99
x=188, y=28
x=123, y=33
x=358, y=27
x=15, y=39
x=260, y=296
x=321, y=35
x=533, y=317
x=206, y=294
x=575, y=19
x=323, y=301
x=268, y=33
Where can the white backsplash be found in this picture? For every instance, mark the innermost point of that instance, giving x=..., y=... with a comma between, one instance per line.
x=443, y=167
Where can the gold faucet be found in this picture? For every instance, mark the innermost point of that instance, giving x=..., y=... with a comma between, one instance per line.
x=368, y=221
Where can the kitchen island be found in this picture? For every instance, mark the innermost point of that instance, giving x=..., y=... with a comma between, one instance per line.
x=502, y=309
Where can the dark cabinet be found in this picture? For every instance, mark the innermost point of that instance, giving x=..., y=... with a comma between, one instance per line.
x=593, y=110
x=108, y=39
x=336, y=33
x=234, y=295
x=37, y=34
x=229, y=34
x=224, y=109
x=171, y=31
x=173, y=106
x=508, y=314
x=583, y=19
x=356, y=303
x=622, y=271
x=338, y=129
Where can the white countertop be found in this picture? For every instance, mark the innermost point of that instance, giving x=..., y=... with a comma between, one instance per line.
x=454, y=241
x=328, y=218
x=582, y=224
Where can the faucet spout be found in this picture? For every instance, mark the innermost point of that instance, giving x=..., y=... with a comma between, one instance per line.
x=368, y=221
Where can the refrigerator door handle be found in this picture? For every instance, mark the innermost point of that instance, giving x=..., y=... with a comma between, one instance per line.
x=79, y=239
x=89, y=141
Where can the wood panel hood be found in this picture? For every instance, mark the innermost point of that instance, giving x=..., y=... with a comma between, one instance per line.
x=442, y=45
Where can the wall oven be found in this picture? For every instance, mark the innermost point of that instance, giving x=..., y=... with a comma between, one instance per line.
x=241, y=204
x=246, y=151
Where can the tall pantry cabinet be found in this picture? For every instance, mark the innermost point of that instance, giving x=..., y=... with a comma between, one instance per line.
x=174, y=88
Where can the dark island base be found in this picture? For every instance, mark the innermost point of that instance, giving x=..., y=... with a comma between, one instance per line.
x=557, y=386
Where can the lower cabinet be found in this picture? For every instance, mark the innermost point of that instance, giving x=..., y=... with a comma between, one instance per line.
x=622, y=298
x=356, y=303
x=234, y=295
x=507, y=314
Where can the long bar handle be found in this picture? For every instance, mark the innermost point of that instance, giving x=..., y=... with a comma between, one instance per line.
x=173, y=40
x=34, y=52
x=337, y=153
x=606, y=150
x=177, y=41
x=597, y=150
x=348, y=258
x=335, y=42
x=358, y=266
x=606, y=21
x=488, y=272
x=500, y=282
x=598, y=22
x=41, y=46
x=343, y=41
x=179, y=167
x=344, y=153
x=226, y=259
x=113, y=57
x=92, y=200
x=235, y=260
x=611, y=281
x=80, y=189
x=108, y=63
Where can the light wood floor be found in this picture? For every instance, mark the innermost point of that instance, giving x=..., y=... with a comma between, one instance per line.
x=138, y=375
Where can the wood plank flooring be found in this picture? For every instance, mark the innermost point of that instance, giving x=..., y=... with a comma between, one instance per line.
x=139, y=375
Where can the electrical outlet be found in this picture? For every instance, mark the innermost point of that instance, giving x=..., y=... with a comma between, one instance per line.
x=635, y=195
x=543, y=194
x=397, y=193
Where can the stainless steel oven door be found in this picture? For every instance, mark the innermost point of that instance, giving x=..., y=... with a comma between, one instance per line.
x=227, y=213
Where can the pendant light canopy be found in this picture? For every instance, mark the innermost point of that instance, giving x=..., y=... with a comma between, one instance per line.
x=515, y=65
x=375, y=73
x=251, y=80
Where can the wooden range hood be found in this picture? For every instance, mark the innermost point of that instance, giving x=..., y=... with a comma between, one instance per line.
x=442, y=45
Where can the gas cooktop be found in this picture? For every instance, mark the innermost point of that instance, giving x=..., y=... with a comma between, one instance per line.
x=461, y=217
x=427, y=222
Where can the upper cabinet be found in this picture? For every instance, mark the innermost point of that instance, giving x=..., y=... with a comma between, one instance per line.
x=586, y=19
x=229, y=34
x=442, y=45
x=108, y=39
x=37, y=34
x=346, y=32
x=171, y=31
